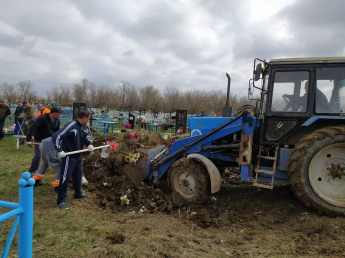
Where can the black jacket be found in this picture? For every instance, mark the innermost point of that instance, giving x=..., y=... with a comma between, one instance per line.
x=4, y=111
x=43, y=127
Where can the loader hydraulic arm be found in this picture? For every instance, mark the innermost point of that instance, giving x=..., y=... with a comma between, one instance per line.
x=189, y=145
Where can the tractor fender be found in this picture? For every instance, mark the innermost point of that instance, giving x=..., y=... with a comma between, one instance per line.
x=212, y=170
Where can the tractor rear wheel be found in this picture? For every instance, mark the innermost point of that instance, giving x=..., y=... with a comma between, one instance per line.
x=317, y=170
x=190, y=179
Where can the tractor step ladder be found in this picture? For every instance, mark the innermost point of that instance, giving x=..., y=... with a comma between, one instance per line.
x=272, y=172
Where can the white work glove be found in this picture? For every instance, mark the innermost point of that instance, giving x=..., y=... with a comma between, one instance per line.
x=62, y=154
x=91, y=148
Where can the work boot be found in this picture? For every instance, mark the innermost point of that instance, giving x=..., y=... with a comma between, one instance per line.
x=81, y=196
x=38, y=182
x=63, y=206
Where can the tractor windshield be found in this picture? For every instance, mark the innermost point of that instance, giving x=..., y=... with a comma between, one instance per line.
x=290, y=91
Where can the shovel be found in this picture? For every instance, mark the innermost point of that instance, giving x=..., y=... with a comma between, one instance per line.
x=104, y=153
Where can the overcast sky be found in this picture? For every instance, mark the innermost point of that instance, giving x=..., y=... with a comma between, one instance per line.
x=187, y=44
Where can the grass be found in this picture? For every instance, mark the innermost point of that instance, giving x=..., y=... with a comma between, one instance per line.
x=86, y=230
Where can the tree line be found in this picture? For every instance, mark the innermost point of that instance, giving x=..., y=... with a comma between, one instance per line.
x=125, y=96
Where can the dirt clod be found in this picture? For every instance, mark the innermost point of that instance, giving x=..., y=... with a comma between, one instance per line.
x=116, y=238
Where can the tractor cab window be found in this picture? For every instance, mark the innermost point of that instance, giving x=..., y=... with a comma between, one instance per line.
x=290, y=91
x=330, y=90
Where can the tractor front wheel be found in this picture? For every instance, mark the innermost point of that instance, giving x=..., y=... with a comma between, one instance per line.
x=190, y=179
x=317, y=170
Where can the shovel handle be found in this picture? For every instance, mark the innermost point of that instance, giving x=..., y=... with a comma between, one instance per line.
x=35, y=143
x=20, y=127
x=86, y=150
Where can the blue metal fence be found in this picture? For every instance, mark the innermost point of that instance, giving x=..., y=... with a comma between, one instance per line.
x=24, y=218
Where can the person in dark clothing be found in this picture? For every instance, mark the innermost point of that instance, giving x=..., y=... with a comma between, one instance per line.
x=43, y=127
x=4, y=112
x=72, y=137
x=321, y=104
x=29, y=115
x=19, y=119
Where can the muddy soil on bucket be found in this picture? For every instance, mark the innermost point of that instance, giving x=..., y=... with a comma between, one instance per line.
x=241, y=219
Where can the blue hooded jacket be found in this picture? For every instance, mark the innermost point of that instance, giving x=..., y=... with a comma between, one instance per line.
x=71, y=137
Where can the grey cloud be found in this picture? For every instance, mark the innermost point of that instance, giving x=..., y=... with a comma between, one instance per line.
x=163, y=43
x=11, y=41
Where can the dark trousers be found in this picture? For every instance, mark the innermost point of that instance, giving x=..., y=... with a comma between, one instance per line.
x=1, y=127
x=70, y=167
x=143, y=125
x=35, y=163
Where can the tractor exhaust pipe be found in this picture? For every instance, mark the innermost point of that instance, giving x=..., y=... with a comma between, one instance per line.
x=226, y=110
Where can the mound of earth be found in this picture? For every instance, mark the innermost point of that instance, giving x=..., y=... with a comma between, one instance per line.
x=108, y=179
x=115, y=191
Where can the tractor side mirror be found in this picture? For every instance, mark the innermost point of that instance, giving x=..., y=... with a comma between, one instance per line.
x=258, y=71
x=250, y=88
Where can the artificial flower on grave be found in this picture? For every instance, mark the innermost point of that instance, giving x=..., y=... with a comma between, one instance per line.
x=113, y=147
x=128, y=125
x=133, y=137
x=180, y=130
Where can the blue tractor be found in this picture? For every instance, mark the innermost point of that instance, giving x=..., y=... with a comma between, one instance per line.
x=294, y=135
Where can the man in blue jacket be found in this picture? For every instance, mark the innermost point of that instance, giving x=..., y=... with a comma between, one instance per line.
x=72, y=137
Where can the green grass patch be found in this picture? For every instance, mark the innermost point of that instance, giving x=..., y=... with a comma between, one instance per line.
x=85, y=230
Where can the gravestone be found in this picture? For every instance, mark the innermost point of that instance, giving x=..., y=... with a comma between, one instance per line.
x=77, y=107
x=131, y=119
x=181, y=121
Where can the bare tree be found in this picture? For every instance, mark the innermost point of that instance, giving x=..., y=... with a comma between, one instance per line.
x=49, y=98
x=66, y=96
x=78, y=93
x=194, y=101
x=32, y=96
x=172, y=99
x=25, y=89
x=133, y=99
x=62, y=95
x=114, y=98
x=81, y=90
x=124, y=89
x=57, y=95
x=8, y=91
x=99, y=96
x=150, y=98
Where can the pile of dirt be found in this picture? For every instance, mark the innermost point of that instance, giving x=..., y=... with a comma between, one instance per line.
x=116, y=192
x=107, y=176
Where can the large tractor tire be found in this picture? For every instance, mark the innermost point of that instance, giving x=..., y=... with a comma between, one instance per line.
x=317, y=170
x=190, y=179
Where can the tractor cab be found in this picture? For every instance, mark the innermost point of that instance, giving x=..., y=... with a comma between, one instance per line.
x=298, y=95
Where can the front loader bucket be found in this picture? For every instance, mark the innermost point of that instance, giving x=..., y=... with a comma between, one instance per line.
x=142, y=169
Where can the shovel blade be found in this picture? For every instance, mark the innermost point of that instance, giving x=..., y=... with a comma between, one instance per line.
x=104, y=153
